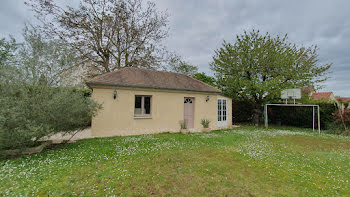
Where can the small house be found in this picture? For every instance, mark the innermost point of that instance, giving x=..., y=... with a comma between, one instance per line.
x=141, y=101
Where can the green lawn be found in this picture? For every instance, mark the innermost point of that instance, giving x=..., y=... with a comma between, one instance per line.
x=245, y=161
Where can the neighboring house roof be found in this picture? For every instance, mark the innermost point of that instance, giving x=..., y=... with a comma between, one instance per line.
x=144, y=78
x=322, y=95
x=344, y=99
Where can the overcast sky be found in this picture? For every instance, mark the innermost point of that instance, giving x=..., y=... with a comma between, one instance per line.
x=198, y=27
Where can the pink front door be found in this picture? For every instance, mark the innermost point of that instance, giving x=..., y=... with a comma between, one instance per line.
x=189, y=112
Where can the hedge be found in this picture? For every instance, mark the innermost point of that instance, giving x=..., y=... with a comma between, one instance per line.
x=242, y=112
x=301, y=116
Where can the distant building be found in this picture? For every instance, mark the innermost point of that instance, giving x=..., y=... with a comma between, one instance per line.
x=344, y=100
x=325, y=96
x=77, y=75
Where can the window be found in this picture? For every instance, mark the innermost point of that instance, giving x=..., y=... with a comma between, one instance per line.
x=222, y=110
x=188, y=100
x=219, y=110
x=142, y=106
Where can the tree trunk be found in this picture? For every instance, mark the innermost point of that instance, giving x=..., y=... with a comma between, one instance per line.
x=106, y=63
x=256, y=115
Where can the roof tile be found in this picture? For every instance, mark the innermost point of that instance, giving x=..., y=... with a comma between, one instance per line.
x=344, y=99
x=322, y=95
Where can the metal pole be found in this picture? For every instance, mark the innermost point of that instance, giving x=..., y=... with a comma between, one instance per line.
x=319, y=121
x=266, y=118
x=313, y=118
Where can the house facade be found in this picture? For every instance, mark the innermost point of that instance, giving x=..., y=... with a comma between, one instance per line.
x=76, y=75
x=139, y=101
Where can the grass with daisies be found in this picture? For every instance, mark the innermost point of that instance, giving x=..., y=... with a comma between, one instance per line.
x=245, y=161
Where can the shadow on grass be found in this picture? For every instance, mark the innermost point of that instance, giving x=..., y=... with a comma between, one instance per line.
x=47, y=148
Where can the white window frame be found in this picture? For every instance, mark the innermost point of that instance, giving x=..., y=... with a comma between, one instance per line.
x=220, y=117
x=143, y=114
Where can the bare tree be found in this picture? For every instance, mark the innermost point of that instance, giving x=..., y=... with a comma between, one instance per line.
x=110, y=33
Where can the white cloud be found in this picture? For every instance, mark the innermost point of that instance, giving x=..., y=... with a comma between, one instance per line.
x=198, y=27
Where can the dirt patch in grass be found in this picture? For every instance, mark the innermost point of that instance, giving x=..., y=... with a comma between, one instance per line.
x=312, y=143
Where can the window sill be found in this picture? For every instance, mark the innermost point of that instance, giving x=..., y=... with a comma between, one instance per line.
x=142, y=117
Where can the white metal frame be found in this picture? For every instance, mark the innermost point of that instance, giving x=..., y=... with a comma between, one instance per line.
x=297, y=105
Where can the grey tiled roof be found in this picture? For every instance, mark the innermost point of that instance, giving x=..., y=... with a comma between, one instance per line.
x=145, y=78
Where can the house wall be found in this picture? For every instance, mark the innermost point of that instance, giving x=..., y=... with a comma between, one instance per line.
x=77, y=75
x=167, y=110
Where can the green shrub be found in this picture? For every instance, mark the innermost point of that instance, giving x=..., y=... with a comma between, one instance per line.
x=86, y=92
x=341, y=122
x=242, y=112
x=205, y=123
x=302, y=116
x=342, y=116
x=337, y=129
x=29, y=113
x=183, y=125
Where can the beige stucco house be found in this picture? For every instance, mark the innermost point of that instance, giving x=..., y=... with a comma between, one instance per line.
x=140, y=101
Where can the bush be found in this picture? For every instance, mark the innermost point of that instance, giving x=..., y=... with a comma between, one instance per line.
x=86, y=92
x=205, y=123
x=341, y=122
x=242, y=111
x=302, y=116
x=183, y=124
x=29, y=113
x=337, y=129
x=342, y=116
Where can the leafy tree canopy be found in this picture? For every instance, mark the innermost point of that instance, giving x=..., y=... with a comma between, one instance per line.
x=8, y=72
x=205, y=78
x=43, y=60
x=7, y=49
x=30, y=111
x=178, y=65
x=258, y=66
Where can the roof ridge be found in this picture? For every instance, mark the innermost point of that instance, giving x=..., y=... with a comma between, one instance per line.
x=164, y=71
x=321, y=92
